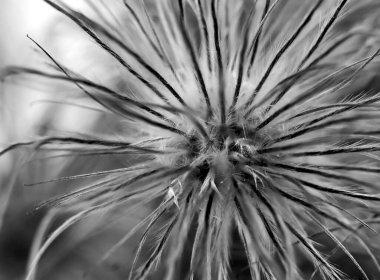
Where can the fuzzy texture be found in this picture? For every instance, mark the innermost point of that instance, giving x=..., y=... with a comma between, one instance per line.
x=250, y=127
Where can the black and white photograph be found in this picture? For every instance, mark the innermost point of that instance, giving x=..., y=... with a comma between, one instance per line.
x=189, y=139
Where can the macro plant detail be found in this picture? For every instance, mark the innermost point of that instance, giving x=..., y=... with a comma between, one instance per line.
x=248, y=127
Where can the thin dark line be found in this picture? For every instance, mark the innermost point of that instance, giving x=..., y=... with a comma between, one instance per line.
x=257, y=35
x=153, y=28
x=333, y=106
x=188, y=113
x=241, y=60
x=159, y=248
x=141, y=26
x=312, y=50
x=130, y=113
x=134, y=54
x=257, y=41
x=15, y=146
x=336, y=151
x=338, y=191
x=287, y=45
x=191, y=51
x=324, y=32
x=205, y=34
x=307, y=94
x=348, y=108
x=284, y=85
x=321, y=173
x=93, y=85
x=272, y=235
x=221, y=81
x=311, y=249
x=332, y=48
x=115, y=55
x=61, y=68
x=309, y=128
x=227, y=37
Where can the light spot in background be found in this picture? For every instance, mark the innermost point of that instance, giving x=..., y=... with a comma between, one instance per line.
x=19, y=18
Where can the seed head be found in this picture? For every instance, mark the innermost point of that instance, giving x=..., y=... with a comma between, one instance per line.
x=247, y=122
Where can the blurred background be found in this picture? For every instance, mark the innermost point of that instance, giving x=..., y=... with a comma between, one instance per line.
x=26, y=112
x=17, y=19
x=22, y=228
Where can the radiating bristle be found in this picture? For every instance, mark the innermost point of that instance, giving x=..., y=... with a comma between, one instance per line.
x=247, y=126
